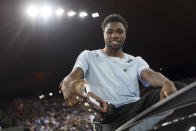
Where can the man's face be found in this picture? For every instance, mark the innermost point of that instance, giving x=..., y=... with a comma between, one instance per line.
x=114, y=35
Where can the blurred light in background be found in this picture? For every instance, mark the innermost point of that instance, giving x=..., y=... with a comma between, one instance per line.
x=41, y=97
x=50, y=94
x=46, y=11
x=95, y=15
x=83, y=14
x=71, y=13
x=32, y=11
x=59, y=11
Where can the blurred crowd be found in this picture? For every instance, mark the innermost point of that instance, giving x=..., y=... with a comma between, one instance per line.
x=47, y=115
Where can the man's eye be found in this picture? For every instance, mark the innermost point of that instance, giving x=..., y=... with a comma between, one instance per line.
x=120, y=31
x=109, y=32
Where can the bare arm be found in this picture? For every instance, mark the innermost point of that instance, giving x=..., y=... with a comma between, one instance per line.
x=70, y=84
x=156, y=79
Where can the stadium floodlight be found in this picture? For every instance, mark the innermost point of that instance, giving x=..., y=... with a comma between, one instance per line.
x=46, y=11
x=50, y=94
x=59, y=12
x=71, y=13
x=32, y=11
x=83, y=14
x=95, y=15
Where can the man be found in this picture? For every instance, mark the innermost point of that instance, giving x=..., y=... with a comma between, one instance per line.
x=113, y=76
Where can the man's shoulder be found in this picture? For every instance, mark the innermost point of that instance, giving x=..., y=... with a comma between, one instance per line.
x=91, y=52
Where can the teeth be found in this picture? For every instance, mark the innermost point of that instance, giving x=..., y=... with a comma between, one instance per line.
x=114, y=42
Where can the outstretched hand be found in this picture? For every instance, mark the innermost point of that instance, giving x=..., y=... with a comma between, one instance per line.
x=74, y=91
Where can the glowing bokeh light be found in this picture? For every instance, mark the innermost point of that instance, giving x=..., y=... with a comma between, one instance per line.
x=95, y=15
x=32, y=11
x=46, y=11
x=50, y=94
x=83, y=14
x=59, y=11
x=71, y=13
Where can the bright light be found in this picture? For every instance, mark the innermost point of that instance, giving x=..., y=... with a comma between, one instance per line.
x=32, y=11
x=192, y=128
x=86, y=104
x=50, y=94
x=59, y=12
x=46, y=11
x=95, y=15
x=83, y=14
x=41, y=97
x=71, y=13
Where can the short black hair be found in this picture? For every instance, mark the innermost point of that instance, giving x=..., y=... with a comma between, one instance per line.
x=114, y=18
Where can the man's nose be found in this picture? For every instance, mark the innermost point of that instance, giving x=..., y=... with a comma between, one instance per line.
x=115, y=35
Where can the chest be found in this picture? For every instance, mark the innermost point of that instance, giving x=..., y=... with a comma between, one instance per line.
x=123, y=68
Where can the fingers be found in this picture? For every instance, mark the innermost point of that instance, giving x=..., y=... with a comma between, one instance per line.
x=68, y=102
x=79, y=82
x=80, y=99
x=74, y=100
x=171, y=91
x=162, y=95
x=167, y=91
x=73, y=92
x=169, y=88
x=79, y=87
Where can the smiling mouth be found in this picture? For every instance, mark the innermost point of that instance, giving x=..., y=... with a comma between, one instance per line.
x=115, y=42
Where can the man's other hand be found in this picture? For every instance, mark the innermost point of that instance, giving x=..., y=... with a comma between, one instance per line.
x=168, y=88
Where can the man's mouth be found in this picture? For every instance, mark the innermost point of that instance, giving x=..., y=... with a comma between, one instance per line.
x=114, y=42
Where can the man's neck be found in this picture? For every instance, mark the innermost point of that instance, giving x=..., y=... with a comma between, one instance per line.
x=118, y=53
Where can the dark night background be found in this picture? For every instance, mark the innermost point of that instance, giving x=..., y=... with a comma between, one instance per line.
x=35, y=55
